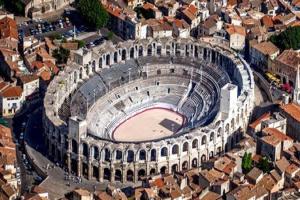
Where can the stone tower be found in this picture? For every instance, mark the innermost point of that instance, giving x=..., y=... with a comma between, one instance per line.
x=296, y=94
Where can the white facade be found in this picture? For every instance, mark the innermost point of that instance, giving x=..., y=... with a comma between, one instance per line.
x=11, y=105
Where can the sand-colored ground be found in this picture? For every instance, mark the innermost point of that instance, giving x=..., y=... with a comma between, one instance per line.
x=149, y=125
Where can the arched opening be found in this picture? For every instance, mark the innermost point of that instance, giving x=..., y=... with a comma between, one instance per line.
x=219, y=149
x=75, y=76
x=106, y=174
x=107, y=59
x=123, y=54
x=232, y=143
x=175, y=149
x=100, y=63
x=194, y=163
x=203, y=158
x=227, y=128
x=203, y=142
x=140, y=51
x=130, y=156
x=149, y=50
x=211, y=154
x=163, y=170
x=95, y=172
x=195, y=144
x=74, y=147
x=174, y=168
x=185, y=147
x=153, y=155
x=85, y=170
x=219, y=132
x=116, y=57
x=107, y=155
x=119, y=155
x=211, y=137
x=132, y=53
x=129, y=175
x=94, y=66
x=141, y=174
x=185, y=165
x=80, y=73
x=85, y=150
x=152, y=171
x=95, y=152
x=118, y=175
x=164, y=152
x=142, y=155
x=74, y=166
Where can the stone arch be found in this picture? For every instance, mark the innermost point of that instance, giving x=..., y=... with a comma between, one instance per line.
x=119, y=154
x=80, y=73
x=95, y=172
x=152, y=171
x=149, y=50
x=130, y=156
x=141, y=51
x=195, y=163
x=185, y=147
x=174, y=168
x=164, y=152
x=93, y=66
x=204, y=140
x=185, y=165
x=129, y=175
x=163, y=170
x=203, y=158
x=85, y=150
x=118, y=175
x=227, y=128
x=100, y=62
x=175, y=149
x=219, y=132
x=211, y=137
x=142, y=155
x=106, y=174
x=211, y=154
x=95, y=150
x=141, y=174
x=107, y=59
x=153, y=155
x=131, y=53
x=195, y=144
x=123, y=54
x=74, y=147
x=106, y=154
x=219, y=150
x=75, y=77
x=116, y=57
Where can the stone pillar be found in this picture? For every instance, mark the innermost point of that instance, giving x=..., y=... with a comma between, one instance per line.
x=90, y=169
x=79, y=166
x=100, y=178
x=112, y=174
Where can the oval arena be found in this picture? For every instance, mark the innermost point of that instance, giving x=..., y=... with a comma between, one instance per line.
x=122, y=112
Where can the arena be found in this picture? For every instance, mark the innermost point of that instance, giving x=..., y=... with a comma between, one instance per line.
x=138, y=108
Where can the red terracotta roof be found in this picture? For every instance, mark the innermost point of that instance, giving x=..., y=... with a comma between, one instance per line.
x=8, y=28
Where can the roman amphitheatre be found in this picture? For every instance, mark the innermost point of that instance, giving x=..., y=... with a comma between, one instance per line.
x=138, y=108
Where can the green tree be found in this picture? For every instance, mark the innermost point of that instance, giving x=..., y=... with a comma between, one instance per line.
x=81, y=43
x=61, y=55
x=93, y=12
x=288, y=39
x=15, y=6
x=264, y=164
x=247, y=162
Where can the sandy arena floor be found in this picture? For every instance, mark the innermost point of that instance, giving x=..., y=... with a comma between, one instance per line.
x=149, y=125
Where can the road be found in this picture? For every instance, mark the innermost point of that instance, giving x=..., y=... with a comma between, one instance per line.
x=27, y=175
